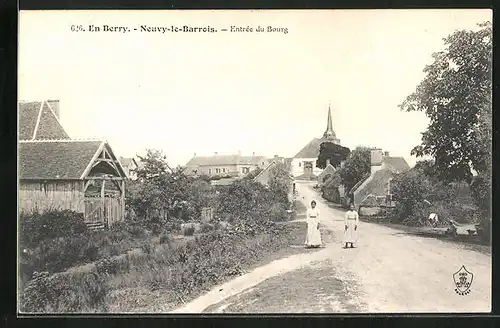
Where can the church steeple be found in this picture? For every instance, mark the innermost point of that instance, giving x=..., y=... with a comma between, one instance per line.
x=329, y=133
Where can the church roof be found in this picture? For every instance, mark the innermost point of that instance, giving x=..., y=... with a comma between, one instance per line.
x=311, y=150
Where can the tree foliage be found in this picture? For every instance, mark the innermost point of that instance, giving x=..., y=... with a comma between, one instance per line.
x=161, y=193
x=456, y=96
x=333, y=152
x=356, y=167
x=280, y=182
x=419, y=192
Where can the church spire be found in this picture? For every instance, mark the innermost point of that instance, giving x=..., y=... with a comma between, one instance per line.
x=329, y=133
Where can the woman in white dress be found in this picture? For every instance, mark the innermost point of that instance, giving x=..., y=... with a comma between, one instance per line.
x=351, y=226
x=313, y=238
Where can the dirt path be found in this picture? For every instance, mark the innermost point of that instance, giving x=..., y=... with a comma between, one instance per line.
x=389, y=271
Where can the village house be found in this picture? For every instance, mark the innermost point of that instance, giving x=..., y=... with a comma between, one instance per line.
x=224, y=165
x=303, y=164
x=57, y=172
x=130, y=166
x=374, y=191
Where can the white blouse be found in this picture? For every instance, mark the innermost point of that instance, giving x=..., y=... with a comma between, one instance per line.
x=313, y=213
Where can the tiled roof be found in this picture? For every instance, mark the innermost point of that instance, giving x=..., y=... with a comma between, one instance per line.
x=377, y=186
x=55, y=160
x=356, y=186
x=396, y=164
x=311, y=150
x=35, y=117
x=226, y=160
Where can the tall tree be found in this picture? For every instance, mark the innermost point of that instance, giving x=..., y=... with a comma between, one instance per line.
x=332, y=152
x=280, y=181
x=456, y=95
x=356, y=167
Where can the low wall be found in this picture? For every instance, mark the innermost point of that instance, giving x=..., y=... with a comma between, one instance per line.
x=369, y=210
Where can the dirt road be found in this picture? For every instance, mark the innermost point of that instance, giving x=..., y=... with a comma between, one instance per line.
x=388, y=271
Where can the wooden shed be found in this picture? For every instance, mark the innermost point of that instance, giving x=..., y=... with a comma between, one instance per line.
x=56, y=172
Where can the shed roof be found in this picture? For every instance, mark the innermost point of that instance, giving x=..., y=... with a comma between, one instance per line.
x=38, y=121
x=59, y=159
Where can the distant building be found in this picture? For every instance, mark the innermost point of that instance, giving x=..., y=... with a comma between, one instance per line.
x=303, y=164
x=224, y=165
x=130, y=166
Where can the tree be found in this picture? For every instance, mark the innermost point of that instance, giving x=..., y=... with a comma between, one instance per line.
x=356, y=167
x=252, y=174
x=456, y=96
x=333, y=152
x=280, y=182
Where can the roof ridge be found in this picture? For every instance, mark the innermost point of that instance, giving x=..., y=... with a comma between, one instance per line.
x=62, y=140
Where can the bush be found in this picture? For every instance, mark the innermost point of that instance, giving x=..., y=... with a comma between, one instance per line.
x=448, y=200
x=206, y=227
x=77, y=292
x=188, y=231
x=61, y=253
x=278, y=213
x=37, y=227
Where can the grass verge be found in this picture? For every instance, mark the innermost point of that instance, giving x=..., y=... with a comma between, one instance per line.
x=313, y=289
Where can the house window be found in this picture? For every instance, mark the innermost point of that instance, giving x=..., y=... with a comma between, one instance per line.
x=245, y=170
x=224, y=170
x=209, y=171
x=300, y=164
x=217, y=170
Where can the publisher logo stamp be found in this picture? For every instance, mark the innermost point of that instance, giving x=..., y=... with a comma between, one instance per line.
x=463, y=281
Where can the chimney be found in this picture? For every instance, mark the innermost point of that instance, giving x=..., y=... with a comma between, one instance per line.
x=386, y=153
x=215, y=153
x=376, y=159
x=327, y=161
x=194, y=154
x=239, y=152
x=54, y=104
x=253, y=154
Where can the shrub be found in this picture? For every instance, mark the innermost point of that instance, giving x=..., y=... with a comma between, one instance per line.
x=278, y=213
x=76, y=292
x=165, y=239
x=188, y=231
x=206, y=227
x=61, y=253
x=37, y=227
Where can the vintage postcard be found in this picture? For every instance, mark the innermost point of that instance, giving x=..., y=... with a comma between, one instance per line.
x=258, y=161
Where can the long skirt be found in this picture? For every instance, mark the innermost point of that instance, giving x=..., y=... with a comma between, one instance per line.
x=313, y=238
x=351, y=235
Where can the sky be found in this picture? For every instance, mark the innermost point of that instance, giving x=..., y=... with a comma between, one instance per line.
x=262, y=92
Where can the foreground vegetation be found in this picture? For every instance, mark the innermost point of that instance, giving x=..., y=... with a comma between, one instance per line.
x=148, y=259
